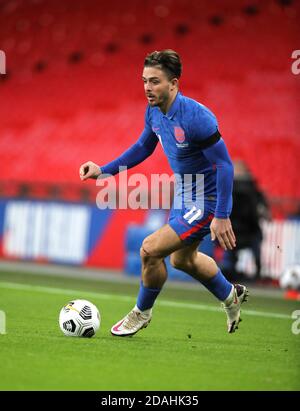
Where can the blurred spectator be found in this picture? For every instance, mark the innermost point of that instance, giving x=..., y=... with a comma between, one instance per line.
x=295, y=215
x=249, y=208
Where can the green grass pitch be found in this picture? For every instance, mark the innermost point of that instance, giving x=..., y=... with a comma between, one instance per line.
x=186, y=346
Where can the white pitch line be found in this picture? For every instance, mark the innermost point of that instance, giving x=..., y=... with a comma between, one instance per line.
x=165, y=303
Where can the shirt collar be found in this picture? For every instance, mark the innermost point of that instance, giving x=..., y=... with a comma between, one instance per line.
x=174, y=107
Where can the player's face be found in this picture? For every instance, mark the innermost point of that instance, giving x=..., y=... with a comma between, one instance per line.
x=158, y=88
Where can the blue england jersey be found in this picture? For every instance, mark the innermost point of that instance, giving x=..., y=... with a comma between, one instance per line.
x=197, y=154
x=184, y=132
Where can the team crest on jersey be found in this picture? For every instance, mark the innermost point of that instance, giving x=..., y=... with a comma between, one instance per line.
x=179, y=134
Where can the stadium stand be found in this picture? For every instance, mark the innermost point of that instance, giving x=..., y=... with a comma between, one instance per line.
x=73, y=89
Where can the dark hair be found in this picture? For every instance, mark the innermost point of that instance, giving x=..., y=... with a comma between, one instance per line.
x=166, y=60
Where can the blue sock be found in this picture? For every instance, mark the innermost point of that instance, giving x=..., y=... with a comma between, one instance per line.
x=146, y=297
x=218, y=286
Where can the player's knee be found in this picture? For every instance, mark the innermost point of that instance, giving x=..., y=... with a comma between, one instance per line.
x=149, y=251
x=184, y=264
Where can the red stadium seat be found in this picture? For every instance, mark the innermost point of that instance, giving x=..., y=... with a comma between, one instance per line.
x=74, y=93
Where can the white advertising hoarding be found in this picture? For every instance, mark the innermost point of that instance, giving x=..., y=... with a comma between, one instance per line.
x=50, y=231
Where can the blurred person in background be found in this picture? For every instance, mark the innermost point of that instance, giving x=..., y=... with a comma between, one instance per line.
x=249, y=209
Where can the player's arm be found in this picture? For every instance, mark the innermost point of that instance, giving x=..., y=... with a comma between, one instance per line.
x=137, y=153
x=221, y=227
x=204, y=129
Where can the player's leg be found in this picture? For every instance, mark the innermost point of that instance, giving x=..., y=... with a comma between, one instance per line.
x=196, y=264
x=154, y=249
x=204, y=269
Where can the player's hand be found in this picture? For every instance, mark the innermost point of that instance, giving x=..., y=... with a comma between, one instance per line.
x=89, y=170
x=221, y=229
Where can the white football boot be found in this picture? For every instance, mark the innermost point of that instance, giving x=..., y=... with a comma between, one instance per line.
x=132, y=323
x=232, y=306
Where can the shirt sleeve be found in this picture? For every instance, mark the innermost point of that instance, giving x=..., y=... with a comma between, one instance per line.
x=206, y=136
x=218, y=155
x=204, y=128
x=135, y=154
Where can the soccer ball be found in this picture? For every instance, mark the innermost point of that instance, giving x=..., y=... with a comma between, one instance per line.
x=290, y=278
x=79, y=318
